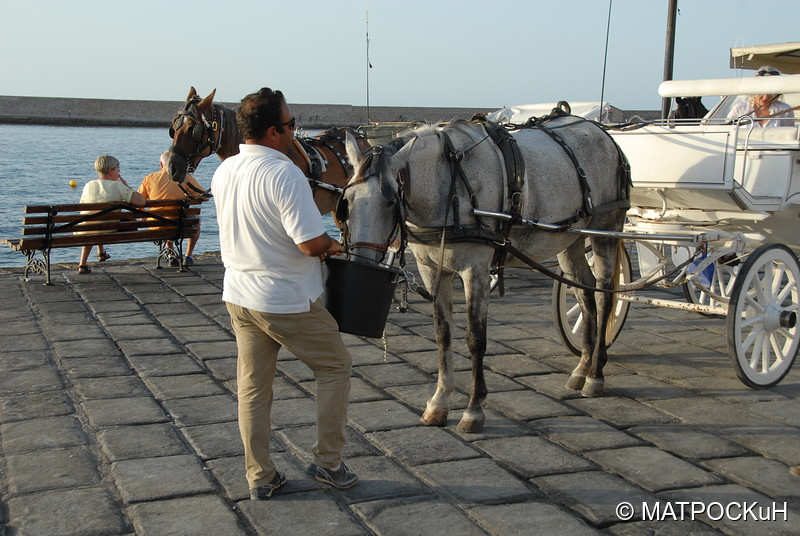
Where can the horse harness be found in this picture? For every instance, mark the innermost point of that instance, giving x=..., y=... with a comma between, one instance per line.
x=392, y=197
x=515, y=173
x=206, y=132
x=317, y=162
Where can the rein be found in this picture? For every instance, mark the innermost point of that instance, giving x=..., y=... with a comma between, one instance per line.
x=558, y=277
x=454, y=157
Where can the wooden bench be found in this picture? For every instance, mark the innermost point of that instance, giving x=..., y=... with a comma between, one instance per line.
x=46, y=227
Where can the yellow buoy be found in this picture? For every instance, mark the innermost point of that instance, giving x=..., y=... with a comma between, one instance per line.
x=73, y=183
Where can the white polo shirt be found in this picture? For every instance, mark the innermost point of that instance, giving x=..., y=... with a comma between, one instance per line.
x=264, y=209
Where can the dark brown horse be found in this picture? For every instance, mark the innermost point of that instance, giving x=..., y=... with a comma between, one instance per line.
x=689, y=108
x=202, y=128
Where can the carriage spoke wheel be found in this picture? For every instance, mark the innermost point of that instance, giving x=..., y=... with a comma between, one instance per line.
x=762, y=326
x=567, y=314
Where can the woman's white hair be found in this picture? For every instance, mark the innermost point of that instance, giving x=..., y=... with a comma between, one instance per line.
x=105, y=163
x=765, y=70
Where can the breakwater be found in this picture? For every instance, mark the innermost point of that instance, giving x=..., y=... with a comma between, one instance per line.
x=108, y=112
x=139, y=113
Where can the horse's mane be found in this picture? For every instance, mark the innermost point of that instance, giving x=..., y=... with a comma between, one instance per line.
x=233, y=138
x=375, y=160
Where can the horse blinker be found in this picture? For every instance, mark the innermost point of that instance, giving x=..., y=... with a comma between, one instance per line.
x=342, y=211
x=387, y=193
x=197, y=132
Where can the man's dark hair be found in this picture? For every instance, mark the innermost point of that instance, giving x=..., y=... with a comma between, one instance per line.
x=259, y=111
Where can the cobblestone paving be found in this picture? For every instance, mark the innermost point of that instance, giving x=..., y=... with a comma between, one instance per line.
x=118, y=416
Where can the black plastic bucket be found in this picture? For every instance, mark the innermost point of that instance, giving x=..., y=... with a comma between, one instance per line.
x=359, y=296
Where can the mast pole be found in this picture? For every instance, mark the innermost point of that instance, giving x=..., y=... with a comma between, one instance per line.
x=605, y=64
x=369, y=65
x=669, y=53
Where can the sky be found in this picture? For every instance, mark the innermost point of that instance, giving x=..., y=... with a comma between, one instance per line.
x=483, y=54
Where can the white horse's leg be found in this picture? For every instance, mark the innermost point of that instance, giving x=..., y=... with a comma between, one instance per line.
x=573, y=264
x=438, y=406
x=605, y=257
x=476, y=291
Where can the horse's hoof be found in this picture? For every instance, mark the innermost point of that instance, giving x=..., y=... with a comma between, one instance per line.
x=471, y=426
x=576, y=381
x=434, y=417
x=593, y=387
x=472, y=421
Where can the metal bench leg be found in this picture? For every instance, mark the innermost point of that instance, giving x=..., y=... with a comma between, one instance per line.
x=35, y=265
x=179, y=243
x=46, y=255
x=165, y=253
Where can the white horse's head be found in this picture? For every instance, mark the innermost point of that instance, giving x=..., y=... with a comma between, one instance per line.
x=371, y=207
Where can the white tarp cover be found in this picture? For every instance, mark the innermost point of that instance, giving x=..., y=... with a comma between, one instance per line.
x=753, y=85
x=783, y=56
x=521, y=113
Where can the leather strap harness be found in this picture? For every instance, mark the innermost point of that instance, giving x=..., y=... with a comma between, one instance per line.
x=207, y=133
x=515, y=176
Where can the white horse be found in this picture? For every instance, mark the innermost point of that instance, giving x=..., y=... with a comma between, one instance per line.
x=425, y=183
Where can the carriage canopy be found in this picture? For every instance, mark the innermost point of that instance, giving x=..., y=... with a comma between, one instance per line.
x=783, y=56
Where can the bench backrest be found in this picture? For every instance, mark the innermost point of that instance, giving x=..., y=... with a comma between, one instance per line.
x=52, y=226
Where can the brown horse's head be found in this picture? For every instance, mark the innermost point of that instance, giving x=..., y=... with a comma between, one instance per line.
x=195, y=135
x=329, y=148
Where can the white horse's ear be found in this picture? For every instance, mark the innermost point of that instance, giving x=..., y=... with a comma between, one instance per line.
x=403, y=153
x=407, y=146
x=351, y=147
x=402, y=156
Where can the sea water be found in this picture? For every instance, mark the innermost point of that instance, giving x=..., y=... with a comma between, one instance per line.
x=37, y=164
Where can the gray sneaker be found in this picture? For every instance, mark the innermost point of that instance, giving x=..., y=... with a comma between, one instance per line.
x=268, y=490
x=342, y=478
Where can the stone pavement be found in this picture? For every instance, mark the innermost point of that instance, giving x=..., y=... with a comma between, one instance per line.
x=118, y=416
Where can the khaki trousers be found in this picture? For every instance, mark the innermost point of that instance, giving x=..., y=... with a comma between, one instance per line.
x=314, y=338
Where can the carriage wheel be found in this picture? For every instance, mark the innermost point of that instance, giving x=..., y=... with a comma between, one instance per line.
x=719, y=288
x=763, y=336
x=567, y=314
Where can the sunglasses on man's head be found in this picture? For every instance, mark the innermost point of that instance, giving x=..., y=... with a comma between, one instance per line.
x=767, y=73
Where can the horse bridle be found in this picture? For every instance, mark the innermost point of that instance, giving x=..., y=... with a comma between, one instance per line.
x=393, y=197
x=207, y=134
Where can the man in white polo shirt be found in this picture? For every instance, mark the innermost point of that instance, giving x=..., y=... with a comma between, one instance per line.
x=272, y=240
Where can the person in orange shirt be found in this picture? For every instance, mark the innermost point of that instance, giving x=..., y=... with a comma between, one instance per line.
x=158, y=185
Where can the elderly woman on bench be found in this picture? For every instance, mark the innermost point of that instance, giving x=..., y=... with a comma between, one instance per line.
x=109, y=187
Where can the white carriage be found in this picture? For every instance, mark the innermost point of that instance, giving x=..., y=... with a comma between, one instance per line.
x=716, y=210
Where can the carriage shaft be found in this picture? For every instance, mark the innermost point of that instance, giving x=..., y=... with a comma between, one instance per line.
x=675, y=304
x=696, y=237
